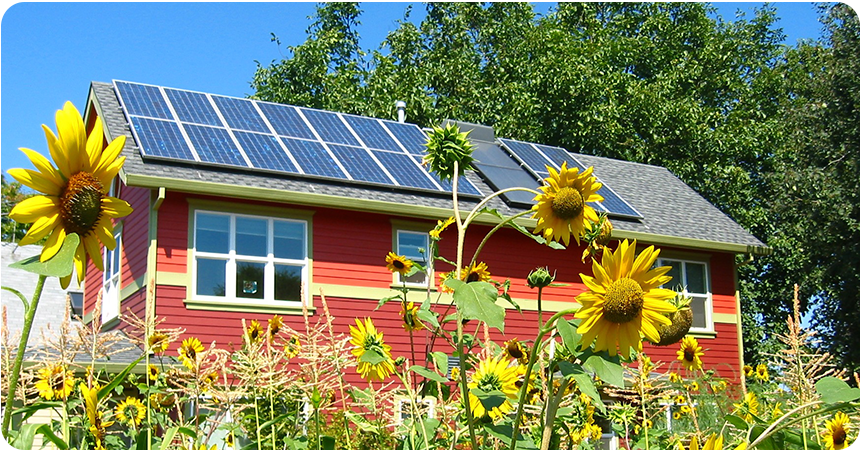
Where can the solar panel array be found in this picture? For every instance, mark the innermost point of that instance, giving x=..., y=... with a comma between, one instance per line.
x=227, y=131
x=536, y=157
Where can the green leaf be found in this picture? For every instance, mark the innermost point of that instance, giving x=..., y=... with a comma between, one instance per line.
x=327, y=442
x=608, y=368
x=372, y=356
x=168, y=438
x=385, y=300
x=363, y=424
x=427, y=373
x=105, y=390
x=316, y=398
x=45, y=430
x=59, y=266
x=440, y=359
x=568, y=333
x=24, y=439
x=503, y=432
x=20, y=295
x=477, y=300
x=737, y=422
x=299, y=443
x=583, y=381
x=491, y=399
x=29, y=410
x=426, y=315
x=833, y=390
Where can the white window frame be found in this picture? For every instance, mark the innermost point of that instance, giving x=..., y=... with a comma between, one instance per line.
x=404, y=402
x=428, y=264
x=707, y=296
x=232, y=258
x=112, y=262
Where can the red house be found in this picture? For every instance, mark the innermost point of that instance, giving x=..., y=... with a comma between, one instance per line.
x=245, y=209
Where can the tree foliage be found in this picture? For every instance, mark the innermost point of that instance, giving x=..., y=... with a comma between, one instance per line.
x=13, y=192
x=766, y=132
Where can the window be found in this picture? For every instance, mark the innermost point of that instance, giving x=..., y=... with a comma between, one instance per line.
x=76, y=300
x=242, y=257
x=110, y=279
x=414, y=245
x=425, y=407
x=691, y=278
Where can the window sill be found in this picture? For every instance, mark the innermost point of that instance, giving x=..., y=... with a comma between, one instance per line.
x=412, y=287
x=286, y=309
x=708, y=334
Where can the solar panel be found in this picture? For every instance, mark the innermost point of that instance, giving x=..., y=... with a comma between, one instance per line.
x=501, y=172
x=264, y=151
x=372, y=133
x=286, y=121
x=214, y=145
x=536, y=156
x=193, y=107
x=203, y=128
x=329, y=127
x=360, y=164
x=161, y=139
x=144, y=100
x=404, y=169
x=240, y=114
x=313, y=158
x=410, y=136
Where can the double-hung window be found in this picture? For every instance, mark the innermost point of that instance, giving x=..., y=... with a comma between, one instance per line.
x=413, y=245
x=110, y=279
x=692, y=278
x=249, y=258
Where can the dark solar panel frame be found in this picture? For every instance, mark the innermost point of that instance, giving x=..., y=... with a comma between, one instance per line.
x=227, y=131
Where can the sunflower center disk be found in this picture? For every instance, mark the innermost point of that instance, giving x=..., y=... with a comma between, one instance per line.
x=490, y=382
x=623, y=301
x=839, y=437
x=567, y=203
x=81, y=203
x=689, y=355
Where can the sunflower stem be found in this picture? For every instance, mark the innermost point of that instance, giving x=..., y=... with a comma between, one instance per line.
x=477, y=209
x=496, y=228
x=29, y=315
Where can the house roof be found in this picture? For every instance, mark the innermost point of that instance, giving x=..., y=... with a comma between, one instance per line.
x=672, y=212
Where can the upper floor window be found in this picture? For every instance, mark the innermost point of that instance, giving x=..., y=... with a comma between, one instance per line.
x=239, y=257
x=692, y=278
x=413, y=245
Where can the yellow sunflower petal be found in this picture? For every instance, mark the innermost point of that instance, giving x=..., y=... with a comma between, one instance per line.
x=91, y=243
x=107, y=174
x=31, y=209
x=72, y=136
x=95, y=143
x=34, y=180
x=57, y=152
x=81, y=262
x=116, y=208
x=110, y=154
x=104, y=231
x=53, y=244
x=40, y=228
x=45, y=167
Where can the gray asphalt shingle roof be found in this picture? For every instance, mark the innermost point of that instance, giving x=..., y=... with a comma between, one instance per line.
x=670, y=208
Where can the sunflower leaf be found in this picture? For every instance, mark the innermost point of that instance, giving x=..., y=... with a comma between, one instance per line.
x=477, y=300
x=608, y=368
x=428, y=374
x=568, y=334
x=372, y=356
x=440, y=359
x=491, y=399
x=385, y=300
x=738, y=422
x=60, y=265
x=425, y=314
x=583, y=381
x=504, y=431
x=834, y=390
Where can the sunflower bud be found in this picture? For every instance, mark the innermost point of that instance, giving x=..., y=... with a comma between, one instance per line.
x=540, y=278
x=446, y=146
x=399, y=361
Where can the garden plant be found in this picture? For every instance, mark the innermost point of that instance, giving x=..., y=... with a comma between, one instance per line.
x=584, y=373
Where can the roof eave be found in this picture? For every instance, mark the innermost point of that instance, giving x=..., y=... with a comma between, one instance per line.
x=415, y=211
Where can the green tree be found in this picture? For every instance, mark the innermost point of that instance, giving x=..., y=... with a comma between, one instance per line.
x=13, y=193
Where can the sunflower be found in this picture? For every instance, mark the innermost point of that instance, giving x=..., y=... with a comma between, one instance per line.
x=75, y=192
x=761, y=372
x=714, y=442
x=152, y=370
x=836, y=435
x=275, y=325
x=475, y=272
x=410, y=317
x=230, y=441
x=680, y=400
x=189, y=351
x=398, y=263
x=98, y=428
x=494, y=374
x=720, y=386
x=563, y=207
x=131, y=411
x=646, y=367
x=254, y=332
x=293, y=347
x=748, y=407
x=443, y=277
x=776, y=412
x=748, y=371
x=517, y=351
x=455, y=373
x=55, y=382
x=440, y=227
x=368, y=341
x=690, y=353
x=693, y=386
x=686, y=409
x=158, y=342
x=624, y=299
x=674, y=377
x=676, y=415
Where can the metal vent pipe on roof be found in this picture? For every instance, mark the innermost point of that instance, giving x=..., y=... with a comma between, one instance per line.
x=401, y=110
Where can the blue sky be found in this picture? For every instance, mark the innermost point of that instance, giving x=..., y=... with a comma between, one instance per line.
x=50, y=52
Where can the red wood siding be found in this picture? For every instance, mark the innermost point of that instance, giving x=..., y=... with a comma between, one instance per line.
x=349, y=250
x=135, y=235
